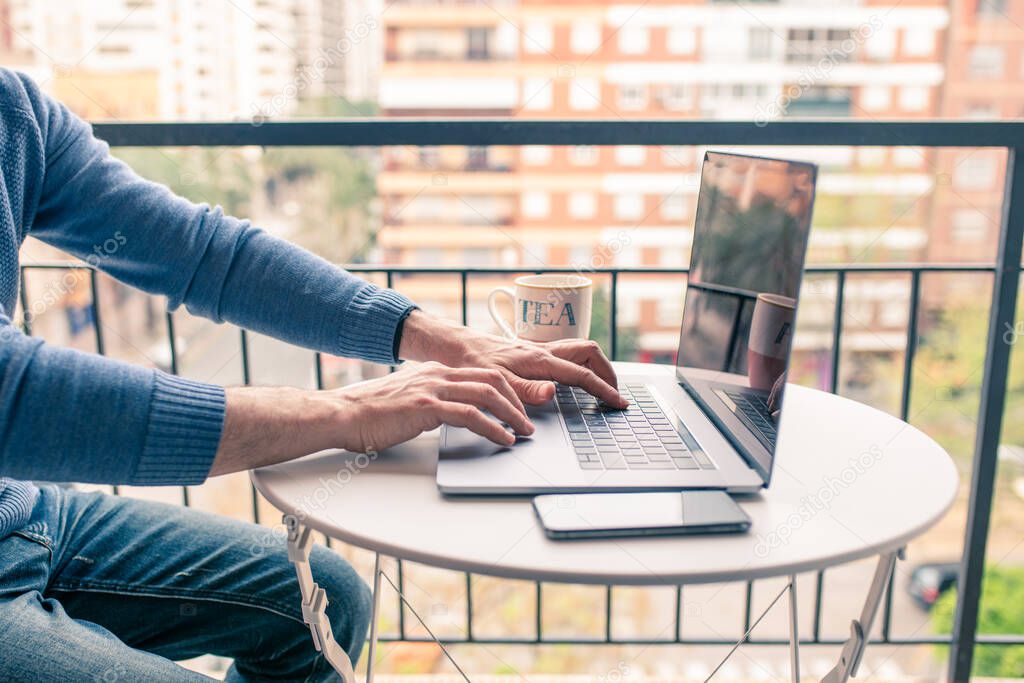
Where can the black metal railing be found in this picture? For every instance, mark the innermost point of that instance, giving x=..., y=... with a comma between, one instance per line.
x=1004, y=274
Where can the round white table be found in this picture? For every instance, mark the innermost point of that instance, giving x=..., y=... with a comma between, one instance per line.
x=849, y=482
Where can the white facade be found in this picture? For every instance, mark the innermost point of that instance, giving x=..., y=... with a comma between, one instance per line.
x=213, y=60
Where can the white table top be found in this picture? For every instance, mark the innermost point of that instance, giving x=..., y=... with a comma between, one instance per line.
x=849, y=482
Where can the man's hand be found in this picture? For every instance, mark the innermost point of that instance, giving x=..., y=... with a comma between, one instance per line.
x=528, y=367
x=264, y=426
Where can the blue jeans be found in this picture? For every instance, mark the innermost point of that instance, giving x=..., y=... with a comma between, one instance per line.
x=102, y=588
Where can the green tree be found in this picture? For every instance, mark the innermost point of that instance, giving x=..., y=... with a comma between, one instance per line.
x=600, y=328
x=1001, y=612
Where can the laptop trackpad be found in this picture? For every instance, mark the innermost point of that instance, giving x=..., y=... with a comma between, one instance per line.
x=459, y=442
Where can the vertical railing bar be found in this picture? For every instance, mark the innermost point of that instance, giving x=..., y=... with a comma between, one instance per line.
x=172, y=347
x=837, y=330
x=96, y=322
x=679, y=613
x=1006, y=282
x=318, y=367
x=389, y=280
x=243, y=339
x=463, y=278
x=26, y=314
x=401, y=607
x=608, y=613
x=537, y=613
x=613, y=317
x=747, y=609
x=469, y=607
x=905, y=393
x=819, y=584
x=172, y=343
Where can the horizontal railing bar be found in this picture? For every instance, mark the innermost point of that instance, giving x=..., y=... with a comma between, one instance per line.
x=477, y=640
x=359, y=132
x=900, y=268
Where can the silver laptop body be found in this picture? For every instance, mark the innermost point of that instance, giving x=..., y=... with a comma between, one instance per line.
x=713, y=425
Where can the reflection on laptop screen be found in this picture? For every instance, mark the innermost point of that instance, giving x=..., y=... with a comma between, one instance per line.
x=749, y=243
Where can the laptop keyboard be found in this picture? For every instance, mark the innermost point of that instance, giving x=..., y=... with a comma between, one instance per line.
x=639, y=438
x=752, y=410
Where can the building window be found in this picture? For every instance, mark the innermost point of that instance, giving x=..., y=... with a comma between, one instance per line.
x=875, y=97
x=633, y=40
x=583, y=155
x=759, y=45
x=477, y=257
x=536, y=155
x=429, y=157
x=476, y=158
x=585, y=93
x=629, y=207
x=673, y=155
x=537, y=93
x=630, y=155
x=871, y=157
x=582, y=204
x=632, y=96
x=538, y=37
x=477, y=40
x=673, y=206
x=628, y=257
x=975, y=172
x=991, y=8
x=907, y=157
x=585, y=38
x=986, y=61
x=881, y=45
x=809, y=45
x=669, y=311
x=969, y=225
x=918, y=41
x=536, y=204
x=675, y=96
x=682, y=40
x=427, y=256
x=913, y=98
x=581, y=257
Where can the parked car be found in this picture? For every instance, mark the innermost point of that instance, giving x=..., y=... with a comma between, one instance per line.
x=929, y=581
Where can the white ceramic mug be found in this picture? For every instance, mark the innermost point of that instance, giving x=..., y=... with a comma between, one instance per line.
x=771, y=335
x=546, y=307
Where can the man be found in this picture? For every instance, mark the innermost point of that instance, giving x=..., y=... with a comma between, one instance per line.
x=94, y=587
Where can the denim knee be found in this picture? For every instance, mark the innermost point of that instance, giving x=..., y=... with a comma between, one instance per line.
x=349, y=599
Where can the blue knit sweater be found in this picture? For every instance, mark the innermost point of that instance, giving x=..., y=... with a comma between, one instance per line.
x=71, y=416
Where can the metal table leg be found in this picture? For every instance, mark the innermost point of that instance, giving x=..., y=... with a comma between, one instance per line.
x=860, y=629
x=794, y=632
x=371, y=656
x=314, y=600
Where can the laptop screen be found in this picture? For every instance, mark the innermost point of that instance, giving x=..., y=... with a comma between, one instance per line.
x=749, y=243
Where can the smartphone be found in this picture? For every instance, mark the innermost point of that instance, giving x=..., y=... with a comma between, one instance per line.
x=617, y=515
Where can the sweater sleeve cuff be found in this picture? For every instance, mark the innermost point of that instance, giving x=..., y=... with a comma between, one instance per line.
x=371, y=324
x=185, y=423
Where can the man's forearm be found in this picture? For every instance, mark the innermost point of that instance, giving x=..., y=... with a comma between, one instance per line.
x=268, y=425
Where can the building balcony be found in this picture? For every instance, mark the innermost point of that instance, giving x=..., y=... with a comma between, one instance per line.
x=864, y=320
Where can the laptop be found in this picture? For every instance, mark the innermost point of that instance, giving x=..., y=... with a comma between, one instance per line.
x=714, y=423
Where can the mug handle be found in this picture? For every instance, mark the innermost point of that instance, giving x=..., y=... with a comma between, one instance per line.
x=492, y=308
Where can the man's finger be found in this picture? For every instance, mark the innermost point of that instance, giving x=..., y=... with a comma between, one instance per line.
x=465, y=415
x=488, y=398
x=588, y=353
x=534, y=392
x=567, y=372
x=494, y=378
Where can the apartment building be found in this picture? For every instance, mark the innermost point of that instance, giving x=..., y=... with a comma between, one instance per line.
x=985, y=68
x=633, y=206
x=190, y=59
